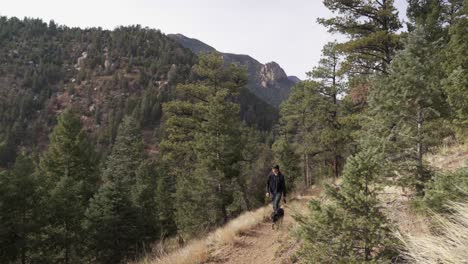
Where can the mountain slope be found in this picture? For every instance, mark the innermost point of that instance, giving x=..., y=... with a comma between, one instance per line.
x=102, y=74
x=268, y=81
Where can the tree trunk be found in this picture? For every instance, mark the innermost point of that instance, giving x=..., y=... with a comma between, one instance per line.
x=66, y=243
x=305, y=170
x=420, y=169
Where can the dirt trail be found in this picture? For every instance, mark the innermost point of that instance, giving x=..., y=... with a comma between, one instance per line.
x=263, y=244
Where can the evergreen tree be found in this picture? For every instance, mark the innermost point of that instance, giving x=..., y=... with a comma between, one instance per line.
x=350, y=228
x=113, y=223
x=203, y=144
x=165, y=203
x=456, y=68
x=69, y=169
x=144, y=195
x=435, y=16
x=258, y=158
x=297, y=124
x=371, y=27
x=20, y=212
x=313, y=116
x=405, y=107
x=329, y=113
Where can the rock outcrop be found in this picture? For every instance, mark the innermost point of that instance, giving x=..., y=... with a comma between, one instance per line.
x=267, y=81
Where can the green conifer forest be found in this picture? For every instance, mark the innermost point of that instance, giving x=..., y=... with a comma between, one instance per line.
x=112, y=141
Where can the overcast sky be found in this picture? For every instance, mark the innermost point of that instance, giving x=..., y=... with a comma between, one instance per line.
x=284, y=31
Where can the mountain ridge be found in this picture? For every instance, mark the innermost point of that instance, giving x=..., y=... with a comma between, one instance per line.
x=268, y=81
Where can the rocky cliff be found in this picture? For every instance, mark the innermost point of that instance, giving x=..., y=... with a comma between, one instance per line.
x=268, y=81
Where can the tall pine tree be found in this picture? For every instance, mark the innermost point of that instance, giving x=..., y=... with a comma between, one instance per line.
x=371, y=27
x=69, y=169
x=20, y=213
x=203, y=144
x=330, y=113
x=113, y=223
x=312, y=117
x=405, y=107
x=456, y=68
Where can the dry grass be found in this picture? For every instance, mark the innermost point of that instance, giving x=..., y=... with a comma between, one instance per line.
x=396, y=205
x=449, y=158
x=198, y=251
x=449, y=244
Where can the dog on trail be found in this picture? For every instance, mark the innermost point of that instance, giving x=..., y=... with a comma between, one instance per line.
x=277, y=218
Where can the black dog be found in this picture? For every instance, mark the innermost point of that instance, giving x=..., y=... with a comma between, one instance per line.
x=277, y=218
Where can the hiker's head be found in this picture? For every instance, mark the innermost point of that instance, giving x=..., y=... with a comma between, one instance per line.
x=275, y=169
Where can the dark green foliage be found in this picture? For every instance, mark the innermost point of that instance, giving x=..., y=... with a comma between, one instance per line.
x=203, y=146
x=435, y=16
x=256, y=166
x=255, y=112
x=151, y=195
x=350, y=228
x=112, y=224
x=70, y=154
x=297, y=124
x=314, y=119
x=113, y=220
x=371, y=27
x=165, y=203
x=68, y=169
x=406, y=107
x=456, y=66
x=20, y=212
x=445, y=187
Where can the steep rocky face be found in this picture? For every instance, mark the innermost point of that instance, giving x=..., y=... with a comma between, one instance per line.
x=271, y=73
x=267, y=81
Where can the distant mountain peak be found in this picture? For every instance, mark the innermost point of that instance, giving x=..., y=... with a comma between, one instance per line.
x=268, y=81
x=294, y=79
x=191, y=43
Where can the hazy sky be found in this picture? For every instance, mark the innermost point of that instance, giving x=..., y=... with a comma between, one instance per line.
x=284, y=31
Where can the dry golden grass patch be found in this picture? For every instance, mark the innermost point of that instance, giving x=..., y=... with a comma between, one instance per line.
x=195, y=252
x=448, y=244
x=433, y=238
x=449, y=158
x=198, y=251
x=396, y=205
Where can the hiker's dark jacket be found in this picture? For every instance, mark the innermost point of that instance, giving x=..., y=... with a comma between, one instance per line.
x=275, y=184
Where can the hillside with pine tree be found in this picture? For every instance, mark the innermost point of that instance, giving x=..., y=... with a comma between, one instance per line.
x=121, y=145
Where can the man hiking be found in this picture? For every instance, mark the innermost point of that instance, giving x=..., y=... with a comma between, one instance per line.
x=276, y=187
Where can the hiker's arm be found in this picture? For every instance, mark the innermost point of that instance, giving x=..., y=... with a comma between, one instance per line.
x=268, y=187
x=284, y=188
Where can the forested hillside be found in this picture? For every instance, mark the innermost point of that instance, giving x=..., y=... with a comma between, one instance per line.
x=103, y=75
x=112, y=141
x=92, y=138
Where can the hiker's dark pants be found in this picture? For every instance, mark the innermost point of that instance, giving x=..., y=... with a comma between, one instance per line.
x=276, y=201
